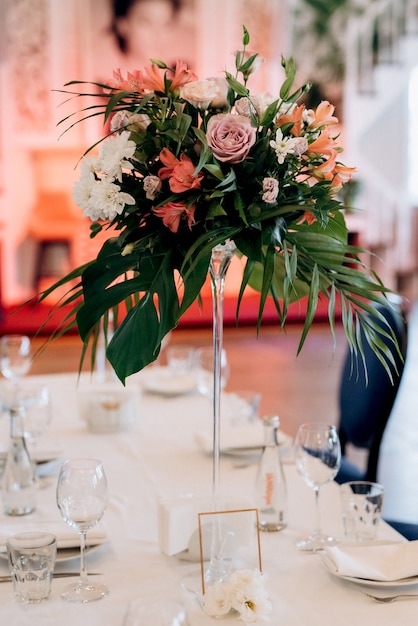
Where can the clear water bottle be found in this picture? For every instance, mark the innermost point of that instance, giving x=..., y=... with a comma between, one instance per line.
x=18, y=483
x=270, y=486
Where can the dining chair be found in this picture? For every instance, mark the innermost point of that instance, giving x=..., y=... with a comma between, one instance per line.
x=365, y=407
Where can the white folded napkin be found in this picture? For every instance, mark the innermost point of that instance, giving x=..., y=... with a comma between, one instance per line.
x=66, y=537
x=379, y=562
x=246, y=437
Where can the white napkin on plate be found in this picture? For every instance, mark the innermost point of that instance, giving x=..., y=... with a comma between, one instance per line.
x=66, y=537
x=381, y=562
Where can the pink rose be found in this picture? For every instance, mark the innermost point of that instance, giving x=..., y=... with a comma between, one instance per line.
x=230, y=137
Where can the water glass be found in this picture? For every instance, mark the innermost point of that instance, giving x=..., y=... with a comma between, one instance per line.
x=361, y=505
x=32, y=559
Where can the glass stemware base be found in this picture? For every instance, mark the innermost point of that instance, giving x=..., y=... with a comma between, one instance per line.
x=315, y=542
x=82, y=593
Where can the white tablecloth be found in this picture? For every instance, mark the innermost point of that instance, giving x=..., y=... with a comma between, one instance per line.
x=160, y=458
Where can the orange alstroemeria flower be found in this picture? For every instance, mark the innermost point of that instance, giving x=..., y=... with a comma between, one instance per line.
x=179, y=171
x=153, y=77
x=342, y=175
x=325, y=171
x=324, y=144
x=182, y=75
x=133, y=81
x=324, y=115
x=307, y=217
x=172, y=212
x=296, y=117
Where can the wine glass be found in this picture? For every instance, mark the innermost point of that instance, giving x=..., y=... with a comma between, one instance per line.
x=15, y=358
x=35, y=399
x=82, y=500
x=318, y=459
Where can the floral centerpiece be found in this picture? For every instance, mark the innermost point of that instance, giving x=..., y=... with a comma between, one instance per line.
x=185, y=165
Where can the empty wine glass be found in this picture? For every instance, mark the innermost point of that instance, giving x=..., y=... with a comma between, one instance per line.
x=15, y=358
x=318, y=459
x=35, y=399
x=82, y=500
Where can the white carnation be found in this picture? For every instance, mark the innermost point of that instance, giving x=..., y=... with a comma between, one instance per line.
x=114, y=153
x=83, y=188
x=106, y=200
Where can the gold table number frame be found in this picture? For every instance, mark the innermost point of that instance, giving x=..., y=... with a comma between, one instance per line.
x=240, y=525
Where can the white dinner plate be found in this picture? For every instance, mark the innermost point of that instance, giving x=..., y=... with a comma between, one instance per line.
x=365, y=582
x=161, y=381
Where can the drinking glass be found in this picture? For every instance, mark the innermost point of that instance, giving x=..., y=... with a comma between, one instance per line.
x=318, y=459
x=82, y=500
x=35, y=399
x=15, y=358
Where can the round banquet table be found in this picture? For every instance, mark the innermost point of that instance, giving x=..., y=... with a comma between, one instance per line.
x=159, y=458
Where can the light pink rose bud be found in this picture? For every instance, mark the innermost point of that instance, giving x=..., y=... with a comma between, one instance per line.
x=230, y=137
x=221, y=100
x=152, y=185
x=200, y=93
x=243, y=107
x=138, y=121
x=119, y=121
x=271, y=190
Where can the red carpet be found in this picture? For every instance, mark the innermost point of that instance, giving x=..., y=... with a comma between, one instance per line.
x=29, y=319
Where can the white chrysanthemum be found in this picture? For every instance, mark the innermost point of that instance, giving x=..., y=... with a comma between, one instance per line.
x=282, y=146
x=82, y=189
x=107, y=200
x=114, y=153
x=217, y=601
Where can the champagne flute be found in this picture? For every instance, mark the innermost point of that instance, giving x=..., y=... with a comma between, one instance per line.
x=15, y=359
x=318, y=459
x=82, y=500
x=35, y=399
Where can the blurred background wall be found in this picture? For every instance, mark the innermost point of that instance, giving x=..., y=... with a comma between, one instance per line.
x=360, y=54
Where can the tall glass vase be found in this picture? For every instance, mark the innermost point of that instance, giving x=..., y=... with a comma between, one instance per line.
x=220, y=261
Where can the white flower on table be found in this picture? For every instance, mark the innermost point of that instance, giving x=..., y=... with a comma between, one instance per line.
x=243, y=592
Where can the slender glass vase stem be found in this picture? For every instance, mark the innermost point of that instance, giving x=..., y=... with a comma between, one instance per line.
x=221, y=258
x=83, y=569
x=317, y=527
